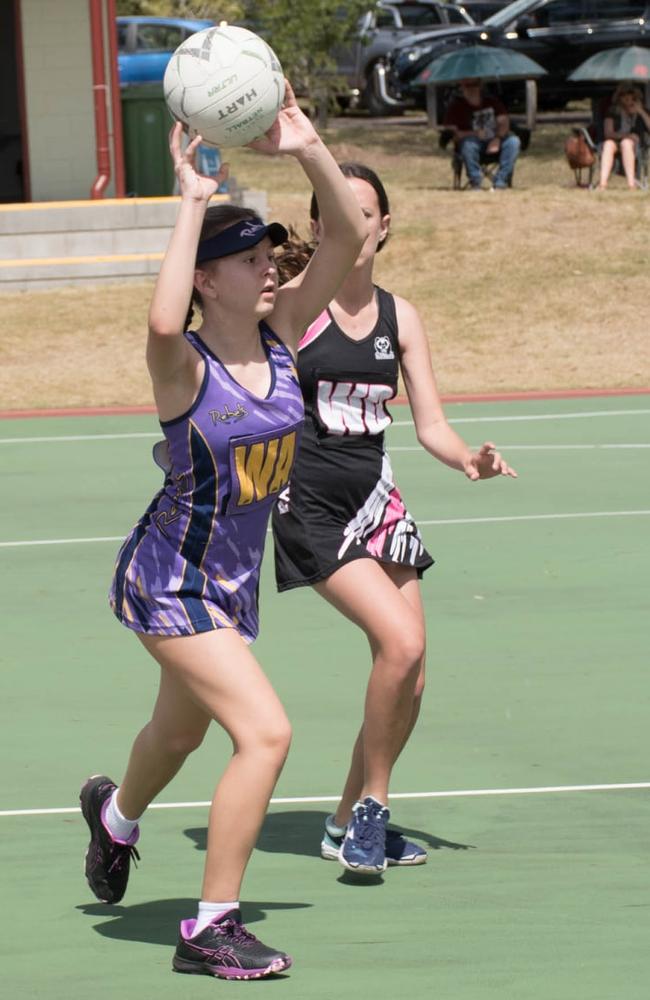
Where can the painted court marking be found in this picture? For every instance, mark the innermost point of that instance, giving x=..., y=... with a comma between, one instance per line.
x=452, y=520
x=536, y=447
x=457, y=793
x=392, y=448
x=396, y=423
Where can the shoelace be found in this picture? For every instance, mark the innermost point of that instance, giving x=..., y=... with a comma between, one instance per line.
x=240, y=934
x=123, y=853
x=370, y=829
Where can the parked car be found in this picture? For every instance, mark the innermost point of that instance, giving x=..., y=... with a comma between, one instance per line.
x=379, y=30
x=480, y=10
x=558, y=34
x=146, y=44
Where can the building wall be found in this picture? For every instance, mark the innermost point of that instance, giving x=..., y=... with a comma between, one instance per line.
x=59, y=98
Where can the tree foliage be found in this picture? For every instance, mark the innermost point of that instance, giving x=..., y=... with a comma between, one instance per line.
x=304, y=34
x=216, y=10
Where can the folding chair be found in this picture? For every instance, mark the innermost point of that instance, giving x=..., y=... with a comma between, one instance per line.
x=489, y=161
x=597, y=133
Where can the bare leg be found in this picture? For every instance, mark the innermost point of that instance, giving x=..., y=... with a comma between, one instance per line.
x=365, y=594
x=628, y=156
x=177, y=727
x=214, y=675
x=406, y=581
x=607, y=155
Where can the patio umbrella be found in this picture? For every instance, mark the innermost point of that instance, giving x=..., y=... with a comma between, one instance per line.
x=479, y=62
x=631, y=62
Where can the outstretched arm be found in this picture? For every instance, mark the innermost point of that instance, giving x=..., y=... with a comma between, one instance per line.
x=433, y=431
x=301, y=300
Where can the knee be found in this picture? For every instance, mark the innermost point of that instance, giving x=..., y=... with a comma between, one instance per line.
x=274, y=739
x=420, y=685
x=512, y=143
x=404, y=650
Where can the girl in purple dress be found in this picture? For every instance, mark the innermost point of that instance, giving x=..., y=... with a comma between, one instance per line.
x=186, y=577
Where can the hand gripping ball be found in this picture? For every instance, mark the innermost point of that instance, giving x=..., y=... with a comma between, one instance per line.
x=225, y=84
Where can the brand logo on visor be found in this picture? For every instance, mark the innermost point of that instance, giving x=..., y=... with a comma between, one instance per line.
x=251, y=230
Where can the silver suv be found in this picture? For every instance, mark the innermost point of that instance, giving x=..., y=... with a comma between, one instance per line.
x=380, y=29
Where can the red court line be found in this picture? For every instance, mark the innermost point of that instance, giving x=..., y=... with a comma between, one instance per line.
x=488, y=397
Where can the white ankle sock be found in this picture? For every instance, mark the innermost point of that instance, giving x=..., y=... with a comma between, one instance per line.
x=119, y=827
x=208, y=911
x=333, y=829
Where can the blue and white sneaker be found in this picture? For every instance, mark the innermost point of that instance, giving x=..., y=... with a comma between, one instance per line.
x=364, y=846
x=400, y=852
x=403, y=852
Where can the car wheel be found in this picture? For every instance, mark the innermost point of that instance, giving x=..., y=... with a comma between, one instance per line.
x=376, y=107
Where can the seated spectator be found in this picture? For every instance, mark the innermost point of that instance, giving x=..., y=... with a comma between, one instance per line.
x=481, y=127
x=627, y=123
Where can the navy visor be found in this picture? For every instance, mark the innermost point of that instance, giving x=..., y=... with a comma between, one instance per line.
x=244, y=234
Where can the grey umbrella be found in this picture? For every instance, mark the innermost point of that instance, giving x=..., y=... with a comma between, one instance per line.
x=630, y=62
x=479, y=62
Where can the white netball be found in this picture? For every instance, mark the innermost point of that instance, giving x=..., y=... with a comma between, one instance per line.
x=225, y=84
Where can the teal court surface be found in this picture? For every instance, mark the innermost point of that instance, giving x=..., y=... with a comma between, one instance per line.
x=528, y=775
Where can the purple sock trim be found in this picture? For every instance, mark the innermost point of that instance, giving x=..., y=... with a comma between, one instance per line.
x=187, y=928
x=132, y=839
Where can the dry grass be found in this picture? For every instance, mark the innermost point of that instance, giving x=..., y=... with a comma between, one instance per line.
x=541, y=287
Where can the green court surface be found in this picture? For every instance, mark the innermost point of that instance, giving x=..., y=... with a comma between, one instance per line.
x=527, y=775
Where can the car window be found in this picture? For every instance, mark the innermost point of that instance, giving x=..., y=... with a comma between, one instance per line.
x=121, y=37
x=459, y=15
x=614, y=10
x=479, y=10
x=418, y=15
x=385, y=19
x=158, y=37
x=574, y=11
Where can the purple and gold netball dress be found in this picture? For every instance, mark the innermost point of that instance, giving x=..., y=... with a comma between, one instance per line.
x=192, y=562
x=342, y=502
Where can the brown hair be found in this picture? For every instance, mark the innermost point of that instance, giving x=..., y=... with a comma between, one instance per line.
x=624, y=89
x=216, y=219
x=294, y=257
x=296, y=252
x=359, y=171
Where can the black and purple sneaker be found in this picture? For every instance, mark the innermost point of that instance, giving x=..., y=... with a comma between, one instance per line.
x=227, y=950
x=107, y=859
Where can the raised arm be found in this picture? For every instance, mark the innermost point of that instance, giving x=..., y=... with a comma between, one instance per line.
x=433, y=431
x=301, y=300
x=167, y=349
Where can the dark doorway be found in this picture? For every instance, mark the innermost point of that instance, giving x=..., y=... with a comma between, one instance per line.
x=12, y=187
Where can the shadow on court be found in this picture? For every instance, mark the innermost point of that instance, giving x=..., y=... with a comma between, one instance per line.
x=300, y=831
x=156, y=922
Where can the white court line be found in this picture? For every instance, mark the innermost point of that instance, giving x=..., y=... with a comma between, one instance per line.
x=533, y=416
x=449, y=520
x=535, y=447
x=457, y=793
x=80, y=437
x=415, y=447
x=537, y=517
x=396, y=423
x=63, y=541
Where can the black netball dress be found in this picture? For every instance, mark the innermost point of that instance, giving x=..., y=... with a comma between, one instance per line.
x=342, y=502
